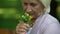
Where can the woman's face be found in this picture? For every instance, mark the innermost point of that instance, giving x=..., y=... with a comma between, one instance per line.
x=33, y=7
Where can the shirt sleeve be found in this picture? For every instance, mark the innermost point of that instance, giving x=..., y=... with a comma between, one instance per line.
x=29, y=31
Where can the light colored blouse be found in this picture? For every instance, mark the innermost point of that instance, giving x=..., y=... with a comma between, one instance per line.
x=45, y=24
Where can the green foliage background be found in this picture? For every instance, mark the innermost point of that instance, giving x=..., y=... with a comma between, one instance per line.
x=10, y=10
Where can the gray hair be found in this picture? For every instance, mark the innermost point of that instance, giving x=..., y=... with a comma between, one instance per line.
x=46, y=3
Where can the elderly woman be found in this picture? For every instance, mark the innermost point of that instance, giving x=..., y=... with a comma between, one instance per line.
x=44, y=23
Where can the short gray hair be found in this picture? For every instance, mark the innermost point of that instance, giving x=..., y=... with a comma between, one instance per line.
x=46, y=3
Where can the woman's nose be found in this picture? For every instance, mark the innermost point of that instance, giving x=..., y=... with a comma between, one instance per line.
x=29, y=9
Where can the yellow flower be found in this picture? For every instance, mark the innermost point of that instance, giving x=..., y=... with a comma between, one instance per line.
x=27, y=14
x=30, y=17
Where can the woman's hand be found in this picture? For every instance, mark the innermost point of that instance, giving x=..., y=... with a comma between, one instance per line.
x=22, y=28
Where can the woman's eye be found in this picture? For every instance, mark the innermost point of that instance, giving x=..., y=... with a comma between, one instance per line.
x=25, y=3
x=33, y=4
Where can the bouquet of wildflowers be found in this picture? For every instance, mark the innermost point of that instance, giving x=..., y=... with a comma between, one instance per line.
x=26, y=18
